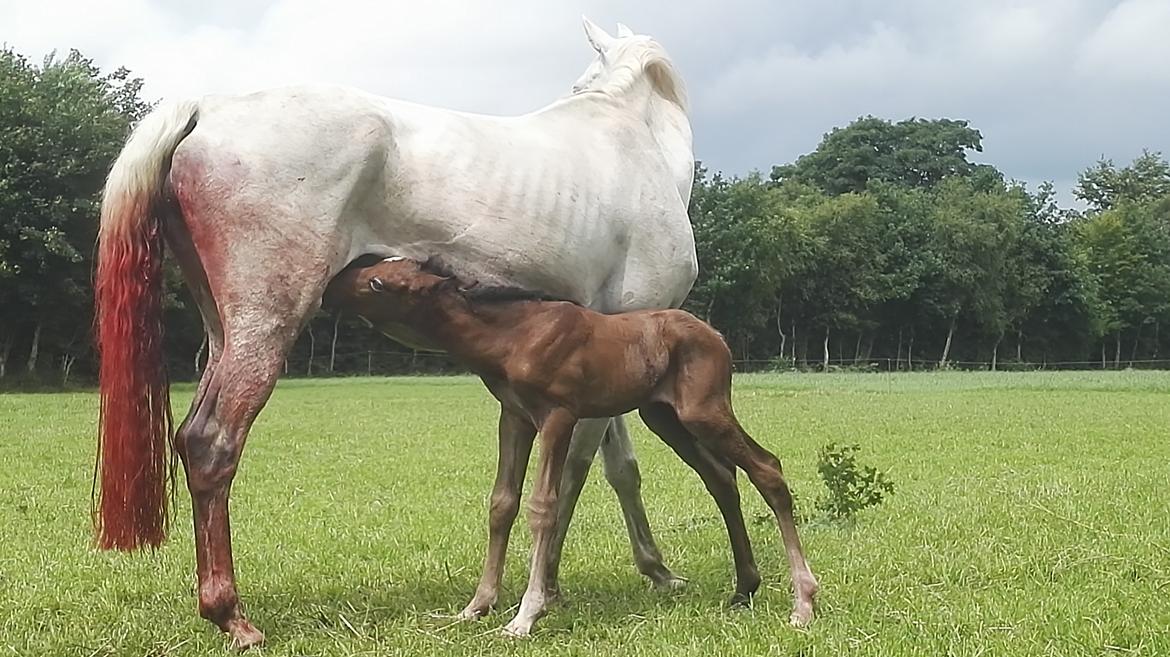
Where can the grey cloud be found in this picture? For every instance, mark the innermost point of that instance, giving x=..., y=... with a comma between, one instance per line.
x=1052, y=85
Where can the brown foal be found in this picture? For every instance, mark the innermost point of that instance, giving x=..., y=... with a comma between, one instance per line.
x=550, y=363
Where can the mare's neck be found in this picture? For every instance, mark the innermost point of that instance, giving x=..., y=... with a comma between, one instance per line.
x=667, y=122
x=671, y=128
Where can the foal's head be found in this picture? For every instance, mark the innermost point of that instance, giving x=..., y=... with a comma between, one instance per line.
x=389, y=290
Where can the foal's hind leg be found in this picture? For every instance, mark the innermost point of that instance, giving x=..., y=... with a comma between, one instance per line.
x=719, y=478
x=715, y=424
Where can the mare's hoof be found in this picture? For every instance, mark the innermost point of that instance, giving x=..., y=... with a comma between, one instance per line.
x=553, y=595
x=740, y=601
x=244, y=635
x=670, y=584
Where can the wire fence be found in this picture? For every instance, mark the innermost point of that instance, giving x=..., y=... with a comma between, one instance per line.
x=393, y=363
x=904, y=365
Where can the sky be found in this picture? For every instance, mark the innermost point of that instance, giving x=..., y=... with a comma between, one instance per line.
x=1052, y=85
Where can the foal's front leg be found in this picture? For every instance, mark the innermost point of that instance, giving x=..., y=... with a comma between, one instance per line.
x=555, y=434
x=516, y=434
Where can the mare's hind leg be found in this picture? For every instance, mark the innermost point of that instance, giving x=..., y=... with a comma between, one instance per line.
x=718, y=476
x=621, y=471
x=262, y=300
x=211, y=440
x=715, y=425
x=258, y=332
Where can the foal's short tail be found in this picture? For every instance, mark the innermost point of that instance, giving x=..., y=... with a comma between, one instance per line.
x=135, y=423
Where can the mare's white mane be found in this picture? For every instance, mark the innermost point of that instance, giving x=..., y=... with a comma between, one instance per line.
x=621, y=62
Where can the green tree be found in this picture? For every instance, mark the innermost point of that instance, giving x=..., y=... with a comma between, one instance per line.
x=973, y=234
x=744, y=239
x=1103, y=185
x=911, y=153
x=61, y=125
x=1128, y=253
x=906, y=238
x=846, y=276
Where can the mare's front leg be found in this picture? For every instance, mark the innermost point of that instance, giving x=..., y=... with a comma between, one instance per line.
x=555, y=433
x=622, y=473
x=621, y=470
x=516, y=434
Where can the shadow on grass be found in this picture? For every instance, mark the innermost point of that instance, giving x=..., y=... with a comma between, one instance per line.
x=366, y=611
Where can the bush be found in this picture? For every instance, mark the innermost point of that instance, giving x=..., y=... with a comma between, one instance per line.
x=852, y=488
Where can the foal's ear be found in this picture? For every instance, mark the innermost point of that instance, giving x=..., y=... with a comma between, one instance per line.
x=439, y=283
x=446, y=283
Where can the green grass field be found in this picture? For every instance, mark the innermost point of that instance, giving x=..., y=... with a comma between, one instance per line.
x=1032, y=517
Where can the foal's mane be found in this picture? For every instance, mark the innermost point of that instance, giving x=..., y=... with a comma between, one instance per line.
x=476, y=293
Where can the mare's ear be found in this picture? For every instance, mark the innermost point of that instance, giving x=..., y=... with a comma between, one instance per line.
x=598, y=38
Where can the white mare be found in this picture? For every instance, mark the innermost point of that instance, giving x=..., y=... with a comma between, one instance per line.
x=264, y=197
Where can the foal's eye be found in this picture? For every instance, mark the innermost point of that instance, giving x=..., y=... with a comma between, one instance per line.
x=376, y=285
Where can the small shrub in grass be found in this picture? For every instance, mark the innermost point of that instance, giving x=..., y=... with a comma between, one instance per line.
x=851, y=487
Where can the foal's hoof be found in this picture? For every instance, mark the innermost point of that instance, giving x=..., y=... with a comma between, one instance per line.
x=470, y=614
x=473, y=612
x=516, y=630
x=244, y=635
x=801, y=616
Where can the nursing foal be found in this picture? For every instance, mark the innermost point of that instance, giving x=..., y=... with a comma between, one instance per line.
x=550, y=363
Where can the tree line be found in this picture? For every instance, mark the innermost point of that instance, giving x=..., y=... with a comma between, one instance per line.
x=886, y=244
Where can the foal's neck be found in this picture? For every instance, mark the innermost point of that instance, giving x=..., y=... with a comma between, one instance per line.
x=481, y=335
